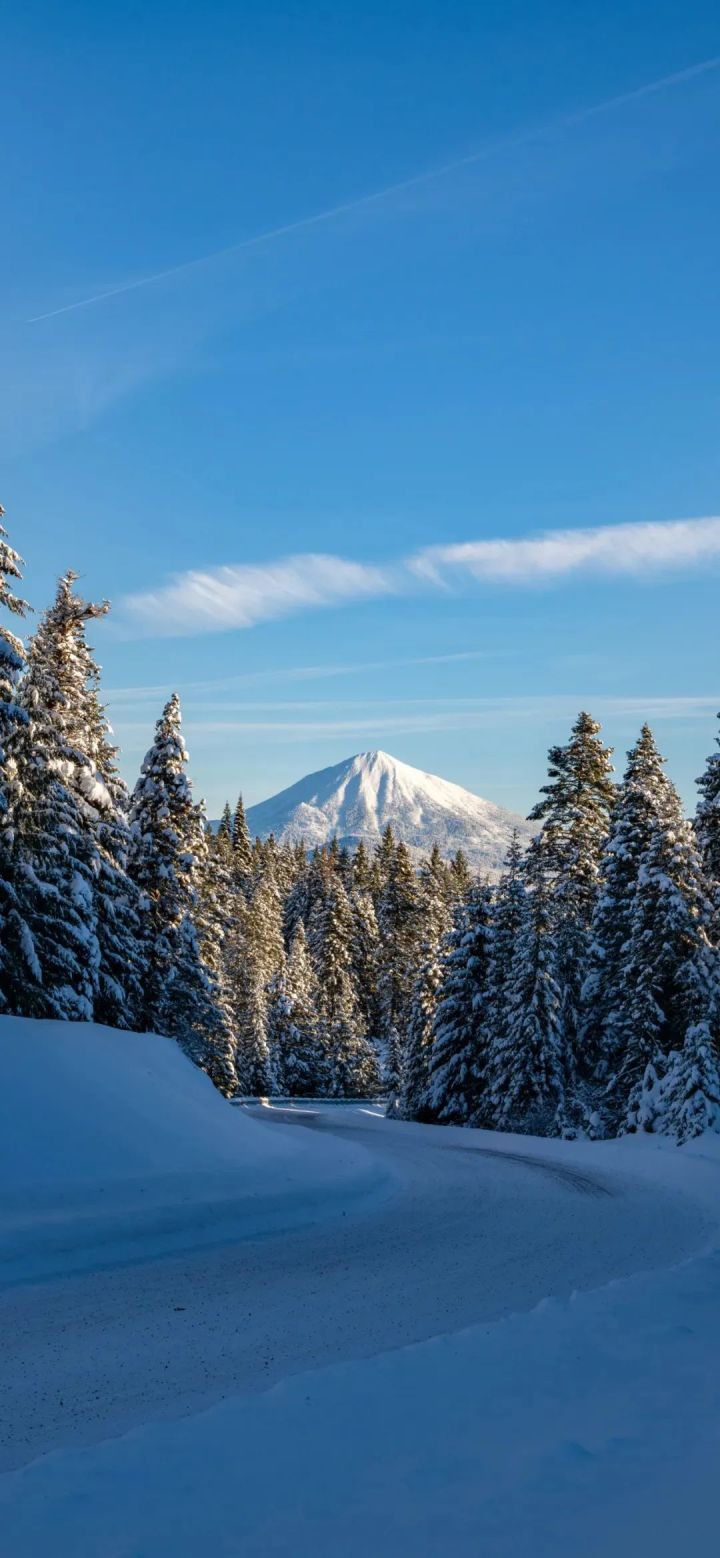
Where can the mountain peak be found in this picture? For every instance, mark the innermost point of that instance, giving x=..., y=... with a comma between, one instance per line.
x=357, y=799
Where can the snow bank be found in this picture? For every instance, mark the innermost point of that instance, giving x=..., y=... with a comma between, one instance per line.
x=588, y=1425
x=113, y=1146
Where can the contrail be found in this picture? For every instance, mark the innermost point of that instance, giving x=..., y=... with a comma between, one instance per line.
x=522, y=138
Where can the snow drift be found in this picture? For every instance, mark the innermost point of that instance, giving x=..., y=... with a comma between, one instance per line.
x=112, y=1144
x=358, y=798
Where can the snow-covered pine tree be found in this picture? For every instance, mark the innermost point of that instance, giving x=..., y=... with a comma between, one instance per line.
x=191, y=1011
x=53, y=955
x=527, y=1073
x=576, y=811
x=689, y=1094
x=362, y=872
x=298, y=1059
x=102, y=797
x=400, y=929
x=353, y=1062
x=365, y=957
x=507, y=921
x=242, y=849
x=384, y=858
x=671, y=972
x=651, y=972
x=12, y=652
x=224, y=832
x=644, y=796
x=460, y=1037
x=13, y=931
x=460, y=875
x=213, y=912
x=180, y=998
x=409, y=1091
x=707, y=827
x=259, y=956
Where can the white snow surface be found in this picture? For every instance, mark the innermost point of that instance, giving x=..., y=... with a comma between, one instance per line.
x=358, y=798
x=112, y=1145
x=477, y=1344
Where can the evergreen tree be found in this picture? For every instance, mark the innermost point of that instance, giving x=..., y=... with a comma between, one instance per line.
x=168, y=838
x=362, y=872
x=92, y=776
x=400, y=929
x=365, y=959
x=527, y=1070
x=298, y=1061
x=460, y=875
x=52, y=953
x=459, y=1055
x=13, y=930
x=508, y=918
x=431, y=910
x=575, y=811
x=645, y=797
x=690, y=1091
x=191, y=1012
x=242, y=848
x=12, y=656
x=224, y=835
x=651, y=972
x=382, y=865
x=707, y=826
x=260, y=956
x=352, y=1059
x=671, y=979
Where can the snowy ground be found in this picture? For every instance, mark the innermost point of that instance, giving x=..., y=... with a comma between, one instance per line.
x=402, y=1370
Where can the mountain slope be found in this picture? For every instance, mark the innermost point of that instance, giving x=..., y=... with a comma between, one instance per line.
x=356, y=799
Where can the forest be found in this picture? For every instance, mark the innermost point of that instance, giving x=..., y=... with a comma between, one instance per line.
x=578, y=994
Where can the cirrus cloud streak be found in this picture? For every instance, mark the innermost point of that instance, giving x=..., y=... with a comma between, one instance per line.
x=242, y=595
x=635, y=549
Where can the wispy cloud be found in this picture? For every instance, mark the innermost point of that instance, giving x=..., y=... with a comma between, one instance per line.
x=296, y=673
x=487, y=714
x=240, y=596
x=524, y=137
x=635, y=549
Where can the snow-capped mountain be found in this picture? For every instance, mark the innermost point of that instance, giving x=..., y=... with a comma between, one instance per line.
x=357, y=799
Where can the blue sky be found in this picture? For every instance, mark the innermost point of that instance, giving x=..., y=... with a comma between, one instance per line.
x=517, y=334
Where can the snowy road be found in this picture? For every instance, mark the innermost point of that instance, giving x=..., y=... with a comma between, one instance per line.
x=472, y=1228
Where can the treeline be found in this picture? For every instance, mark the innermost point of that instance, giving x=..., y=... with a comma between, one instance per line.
x=579, y=994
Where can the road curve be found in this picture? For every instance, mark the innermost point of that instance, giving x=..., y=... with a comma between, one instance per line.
x=470, y=1232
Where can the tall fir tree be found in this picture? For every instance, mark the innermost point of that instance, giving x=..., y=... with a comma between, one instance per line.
x=460, y=1034
x=575, y=811
x=353, y=1065
x=92, y=776
x=689, y=1094
x=707, y=827
x=527, y=1071
x=53, y=953
x=13, y=930
x=651, y=972
x=259, y=960
x=671, y=977
x=644, y=798
x=242, y=848
x=299, y=1062
x=507, y=921
x=409, y=1082
x=180, y=997
x=400, y=931
x=365, y=958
